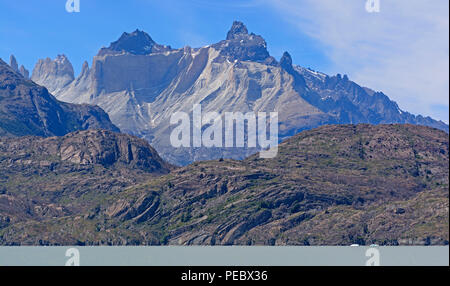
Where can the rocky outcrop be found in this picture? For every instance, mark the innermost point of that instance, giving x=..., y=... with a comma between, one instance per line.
x=28, y=109
x=140, y=210
x=94, y=147
x=107, y=148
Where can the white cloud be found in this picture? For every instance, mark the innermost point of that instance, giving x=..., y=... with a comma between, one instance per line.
x=402, y=51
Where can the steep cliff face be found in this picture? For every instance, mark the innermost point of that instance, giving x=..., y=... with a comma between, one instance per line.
x=28, y=109
x=140, y=84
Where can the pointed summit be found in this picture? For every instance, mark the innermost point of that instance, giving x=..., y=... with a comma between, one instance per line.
x=85, y=67
x=13, y=63
x=238, y=28
x=24, y=72
x=242, y=46
x=84, y=70
x=299, y=80
x=137, y=43
x=286, y=61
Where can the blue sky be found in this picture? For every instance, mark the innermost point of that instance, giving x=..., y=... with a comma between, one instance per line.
x=402, y=51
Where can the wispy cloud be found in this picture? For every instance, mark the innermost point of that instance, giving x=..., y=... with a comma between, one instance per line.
x=402, y=51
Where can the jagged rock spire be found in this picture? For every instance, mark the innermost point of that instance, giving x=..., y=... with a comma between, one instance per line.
x=286, y=61
x=53, y=74
x=137, y=43
x=85, y=67
x=15, y=66
x=242, y=46
x=13, y=63
x=238, y=28
x=286, y=64
x=24, y=72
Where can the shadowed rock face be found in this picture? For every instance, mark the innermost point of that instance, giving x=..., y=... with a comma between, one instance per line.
x=28, y=109
x=238, y=29
x=242, y=46
x=140, y=84
x=136, y=43
x=334, y=185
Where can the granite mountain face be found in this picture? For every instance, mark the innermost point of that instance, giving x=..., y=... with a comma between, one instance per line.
x=53, y=74
x=140, y=84
x=29, y=109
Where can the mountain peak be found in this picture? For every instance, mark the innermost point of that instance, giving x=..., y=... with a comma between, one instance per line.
x=137, y=43
x=242, y=46
x=238, y=28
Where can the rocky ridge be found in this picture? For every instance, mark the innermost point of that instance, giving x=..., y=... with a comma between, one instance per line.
x=334, y=185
